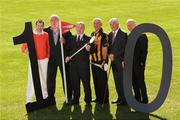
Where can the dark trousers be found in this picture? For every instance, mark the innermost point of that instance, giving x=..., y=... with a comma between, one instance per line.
x=139, y=85
x=51, y=79
x=78, y=73
x=100, y=84
x=118, y=79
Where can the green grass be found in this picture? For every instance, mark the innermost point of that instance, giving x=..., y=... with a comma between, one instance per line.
x=13, y=64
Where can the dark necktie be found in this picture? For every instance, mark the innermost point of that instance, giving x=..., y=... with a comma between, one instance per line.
x=78, y=39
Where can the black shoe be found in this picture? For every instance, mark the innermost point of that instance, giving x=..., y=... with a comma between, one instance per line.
x=73, y=102
x=144, y=101
x=68, y=102
x=103, y=102
x=51, y=98
x=116, y=101
x=106, y=102
x=28, y=103
x=95, y=100
x=88, y=104
x=122, y=103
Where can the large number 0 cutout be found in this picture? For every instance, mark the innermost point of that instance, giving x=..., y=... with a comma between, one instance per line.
x=166, y=68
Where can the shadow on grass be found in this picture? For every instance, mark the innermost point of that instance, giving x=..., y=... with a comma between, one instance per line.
x=125, y=113
x=65, y=113
x=100, y=113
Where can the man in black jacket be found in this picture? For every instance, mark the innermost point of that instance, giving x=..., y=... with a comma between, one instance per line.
x=55, y=59
x=139, y=61
x=79, y=64
x=117, y=42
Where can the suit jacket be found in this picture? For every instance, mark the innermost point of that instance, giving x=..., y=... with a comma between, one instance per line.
x=82, y=58
x=141, y=49
x=118, y=47
x=55, y=50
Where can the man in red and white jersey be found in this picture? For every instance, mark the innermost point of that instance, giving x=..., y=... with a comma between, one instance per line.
x=41, y=41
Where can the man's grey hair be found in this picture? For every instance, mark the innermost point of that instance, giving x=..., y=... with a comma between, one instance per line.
x=54, y=16
x=130, y=21
x=97, y=19
x=80, y=23
x=114, y=20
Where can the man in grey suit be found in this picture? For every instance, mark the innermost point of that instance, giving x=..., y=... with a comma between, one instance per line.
x=117, y=42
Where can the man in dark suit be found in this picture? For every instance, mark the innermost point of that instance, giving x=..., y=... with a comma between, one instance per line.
x=55, y=59
x=139, y=61
x=79, y=65
x=117, y=42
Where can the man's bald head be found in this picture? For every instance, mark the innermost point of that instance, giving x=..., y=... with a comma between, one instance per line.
x=131, y=24
x=54, y=19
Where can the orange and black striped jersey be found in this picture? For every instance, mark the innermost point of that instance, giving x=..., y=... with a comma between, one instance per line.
x=97, y=52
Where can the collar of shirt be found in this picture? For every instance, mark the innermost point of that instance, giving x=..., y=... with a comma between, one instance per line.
x=55, y=33
x=81, y=35
x=115, y=32
x=99, y=31
x=128, y=32
x=35, y=32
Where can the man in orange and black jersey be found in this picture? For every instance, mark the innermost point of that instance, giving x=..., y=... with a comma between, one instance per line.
x=99, y=56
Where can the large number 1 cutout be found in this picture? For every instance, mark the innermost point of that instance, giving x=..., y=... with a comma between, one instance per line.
x=27, y=37
x=166, y=69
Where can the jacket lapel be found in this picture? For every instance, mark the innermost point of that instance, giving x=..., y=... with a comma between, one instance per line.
x=110, y=38
x=75, y=41
x=52, y=38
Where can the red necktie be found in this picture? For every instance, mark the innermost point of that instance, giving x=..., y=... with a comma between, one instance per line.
x=113, y=37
